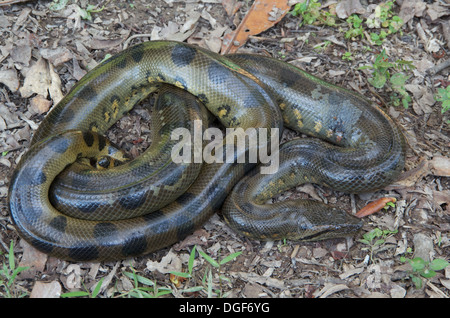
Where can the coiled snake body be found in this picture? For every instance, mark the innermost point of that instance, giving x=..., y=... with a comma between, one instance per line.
x=151, y=202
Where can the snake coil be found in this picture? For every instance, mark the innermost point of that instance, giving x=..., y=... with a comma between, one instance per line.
x=77, y=212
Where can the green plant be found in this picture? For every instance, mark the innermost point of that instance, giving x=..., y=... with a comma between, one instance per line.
x=421, y=268
x=382, y=69
x=322, y=46
x=374, y=239
x=207, y=280
x=86, y=13
x=8, y=274
x=57, y=5
x=355, y=27
x=310, y=13
x=384, y=18
x=389, y=204
x=443, y=96
x=85, y=292
x=347, y=56
x=149, y=290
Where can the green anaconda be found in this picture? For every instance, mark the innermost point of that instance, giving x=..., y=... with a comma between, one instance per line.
x=76, y=212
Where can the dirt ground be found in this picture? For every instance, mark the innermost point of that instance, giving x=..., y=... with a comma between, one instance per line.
x=43, y=52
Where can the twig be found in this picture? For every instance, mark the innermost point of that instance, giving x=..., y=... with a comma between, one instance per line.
x=436, y=69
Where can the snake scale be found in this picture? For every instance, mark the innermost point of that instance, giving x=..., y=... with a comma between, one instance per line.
x=74, y=211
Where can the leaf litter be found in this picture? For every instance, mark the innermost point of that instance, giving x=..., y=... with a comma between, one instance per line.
x=44, y=52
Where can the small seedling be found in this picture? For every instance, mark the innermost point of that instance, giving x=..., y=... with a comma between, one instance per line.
x=443, y=96
x=423, y=269
x=355, y=24
x=85, y=14
x=311, y=14
x=347, y=56
x=150, y=289
x=85, y=292
x=8, y=274
x=381, y=73
x=375, y=238
x=207, y=282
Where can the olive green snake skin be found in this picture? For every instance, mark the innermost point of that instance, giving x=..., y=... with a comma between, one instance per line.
x=71, y=210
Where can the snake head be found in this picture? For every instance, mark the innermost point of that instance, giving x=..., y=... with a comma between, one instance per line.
x=324, y=222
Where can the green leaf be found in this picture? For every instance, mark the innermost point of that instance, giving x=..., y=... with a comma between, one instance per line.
x=12, y=264
x=97, y=287
x=75, y=294
x=417, y=281
x=378, y=80
x=191, y=260
x=230, y=257
x=58, y=5
x=139, y=278
x=428, y=273
x=208, y=258
x=399, y=79
x=181, y=274
x=417, y=263
x=192, y=289
x=438, y=264
x=378, y=242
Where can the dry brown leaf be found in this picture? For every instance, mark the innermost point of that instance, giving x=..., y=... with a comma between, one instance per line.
x=440, y=166
x=21, y=54
x=330, y=289
x=37, y=80
x=231, y=6
x=100, y=44
x=436, y=10
x=39, y=104
x=169, y=263
x=41, y=79
x=32, y=258
x=10, y=79
x=345, y=8
x=46, y=290
x=411, y=177
x=262, y=15
x=441, y=197
x=410, y=9
x=56, y=56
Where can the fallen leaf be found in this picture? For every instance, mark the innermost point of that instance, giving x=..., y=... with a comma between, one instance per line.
x=411, y=177
x=374, y=207
x=39, y=104
x=169, y=263
x=231, y=6
x=41, y=79
x=436, y=10
x=410, y=9
x=10, y=79
x=440, y=166
x=441, y=197
x=262, y=15
x=100, y=44
x=21, y=54
x=37, y=80
x=329, y=289
x=32, y=258
x=346, y=8
x=56, y=56
x=255, y=278
x=46, y=290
